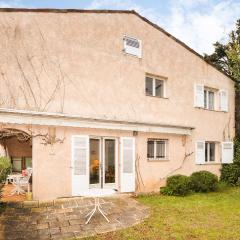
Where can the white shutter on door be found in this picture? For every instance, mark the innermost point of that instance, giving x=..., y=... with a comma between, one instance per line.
x=80, y=164
x=127, y=164
x=200, y=152
x=223, y=100
x=199, y=95
x=227, y=152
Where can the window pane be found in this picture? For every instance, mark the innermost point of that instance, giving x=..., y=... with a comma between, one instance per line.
x=28, y=162
x=212, y=152
x=109, y=161
x=150, y=149
x=149, y=86
x=211, y=100
x=17, y=164
x=205, y=99
x=206, y=152
x=159, y=88
x=161, y=153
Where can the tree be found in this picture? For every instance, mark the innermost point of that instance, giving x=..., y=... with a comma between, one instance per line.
x=226, y=58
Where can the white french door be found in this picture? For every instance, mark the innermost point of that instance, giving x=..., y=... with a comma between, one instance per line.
x=103, y=163
x=95, y=163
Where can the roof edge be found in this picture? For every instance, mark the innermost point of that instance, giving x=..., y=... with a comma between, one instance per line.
x=64, y=10
x=56, y=10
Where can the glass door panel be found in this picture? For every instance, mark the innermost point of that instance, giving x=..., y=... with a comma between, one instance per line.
x=94, y=161
x=16, y=164
x=28, y=162
x=109, y=160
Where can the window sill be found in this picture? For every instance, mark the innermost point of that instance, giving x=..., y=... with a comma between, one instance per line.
x=210, y=163
x=156, y=96
x=211, y=110
x=158, y=159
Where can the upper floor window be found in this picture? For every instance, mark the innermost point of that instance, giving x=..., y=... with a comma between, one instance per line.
x=209, y=102
x=157, y=149
x=154, y=87
x=132, y=46
x=211, y=99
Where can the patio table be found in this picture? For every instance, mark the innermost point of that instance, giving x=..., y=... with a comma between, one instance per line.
x=97, y=194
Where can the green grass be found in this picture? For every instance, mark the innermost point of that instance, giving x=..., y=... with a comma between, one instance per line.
x=211, y=216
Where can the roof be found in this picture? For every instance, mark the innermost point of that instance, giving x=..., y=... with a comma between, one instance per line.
x=54, y=10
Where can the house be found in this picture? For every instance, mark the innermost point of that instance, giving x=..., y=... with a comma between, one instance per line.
x=107, y=99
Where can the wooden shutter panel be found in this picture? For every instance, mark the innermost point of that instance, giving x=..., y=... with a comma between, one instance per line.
x=80, y=164
x=227, y=152
x=127, y=164
x=223, y=100
x=200, y=152
x=199, y=95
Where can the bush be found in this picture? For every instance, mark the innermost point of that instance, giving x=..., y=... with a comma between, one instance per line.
x=203, y=181
x=5, y=167
x=230, y=173
x=177, y=185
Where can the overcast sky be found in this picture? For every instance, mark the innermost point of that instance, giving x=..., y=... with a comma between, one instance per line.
x=198, y=23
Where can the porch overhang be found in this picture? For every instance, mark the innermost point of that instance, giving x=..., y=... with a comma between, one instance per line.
x=14, y=116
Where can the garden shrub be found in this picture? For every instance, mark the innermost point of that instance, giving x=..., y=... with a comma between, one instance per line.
x=5, y=167
x=177, y=185
x=203, y=181
x=230, y=173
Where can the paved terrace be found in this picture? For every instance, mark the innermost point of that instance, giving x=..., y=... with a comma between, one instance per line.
x=65, y=218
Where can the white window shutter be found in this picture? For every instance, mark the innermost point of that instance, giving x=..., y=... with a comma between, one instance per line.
x=80, y=164
x=199, y=95
x=127, y=164
x=200, y=152
x=133, y=46
x=223, y=100
x=227, y=152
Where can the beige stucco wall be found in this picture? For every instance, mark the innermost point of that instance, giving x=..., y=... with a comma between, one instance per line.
x=52, y=164
x=73, y=63
x=52, y=172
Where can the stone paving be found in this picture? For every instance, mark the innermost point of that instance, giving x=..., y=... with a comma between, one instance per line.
x=65, y=218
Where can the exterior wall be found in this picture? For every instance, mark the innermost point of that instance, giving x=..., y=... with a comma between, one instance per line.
x=79, y=57
x=52, y=164
x=82, y=58
x=52, y=172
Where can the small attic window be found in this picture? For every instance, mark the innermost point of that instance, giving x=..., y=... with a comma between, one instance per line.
x=132, y=46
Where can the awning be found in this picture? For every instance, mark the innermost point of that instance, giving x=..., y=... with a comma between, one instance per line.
x=14, y=116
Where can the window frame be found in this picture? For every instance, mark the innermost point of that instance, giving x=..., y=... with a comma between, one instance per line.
x=208, y=149
x=166, y=149
x=207, y=99
x=131, y=50
x=154, y=79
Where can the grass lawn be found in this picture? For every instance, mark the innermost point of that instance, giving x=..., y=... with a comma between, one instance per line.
x=199, y=216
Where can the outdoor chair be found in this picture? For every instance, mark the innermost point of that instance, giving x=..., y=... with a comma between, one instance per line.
x=20, y=183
